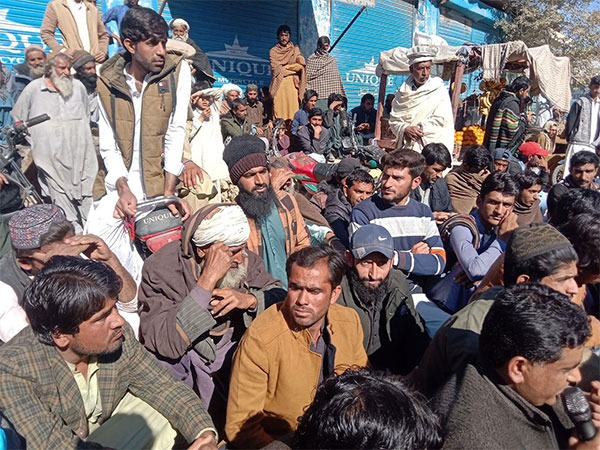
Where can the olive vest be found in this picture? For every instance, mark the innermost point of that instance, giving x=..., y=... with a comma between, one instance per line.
x=158, y=102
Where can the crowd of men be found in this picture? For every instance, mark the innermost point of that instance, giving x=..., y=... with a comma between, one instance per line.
x=433, y=306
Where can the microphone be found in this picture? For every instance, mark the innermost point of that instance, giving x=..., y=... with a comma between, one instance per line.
x=578, y=410
x=22, y=125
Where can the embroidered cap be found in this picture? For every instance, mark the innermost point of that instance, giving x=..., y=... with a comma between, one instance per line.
x=29, y=225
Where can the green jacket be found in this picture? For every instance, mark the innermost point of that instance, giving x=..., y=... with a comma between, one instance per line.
x=401, y=331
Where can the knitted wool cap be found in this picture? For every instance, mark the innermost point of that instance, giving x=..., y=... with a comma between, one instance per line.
x=81, y=58
x=242, y=154
x=534, y=240
x=30, y=224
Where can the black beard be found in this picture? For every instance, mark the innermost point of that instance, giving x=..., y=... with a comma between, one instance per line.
x=251, y=101
x=368, y=296
x=256, y=206
x=89, y=81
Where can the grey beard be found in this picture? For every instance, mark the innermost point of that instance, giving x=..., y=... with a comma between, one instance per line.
x=36, y=72
x=234, y=278
x=63, y=85
x=183, y=38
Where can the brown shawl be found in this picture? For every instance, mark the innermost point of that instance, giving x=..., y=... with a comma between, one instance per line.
x=286, y=59
x=464, y=188
x=167, y=279
x=528, y=214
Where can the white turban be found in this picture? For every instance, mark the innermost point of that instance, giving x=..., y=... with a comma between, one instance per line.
x=228, y=225
x=420, y=53
x=230, y=87
x=177, y=22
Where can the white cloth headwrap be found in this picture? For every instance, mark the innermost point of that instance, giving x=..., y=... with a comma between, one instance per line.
x=177, y=22
x=230, y=87
x=420, y=53
x=228, y=225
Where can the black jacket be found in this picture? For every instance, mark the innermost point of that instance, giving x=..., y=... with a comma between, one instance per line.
x=337, y=212
x=439, y=198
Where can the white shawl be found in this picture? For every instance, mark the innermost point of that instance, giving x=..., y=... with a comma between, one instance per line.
x=429, y=106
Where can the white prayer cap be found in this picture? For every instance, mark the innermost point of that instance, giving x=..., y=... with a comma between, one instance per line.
x=178, y=22
x=228, y=225
x=230, y=87
x=420, y=53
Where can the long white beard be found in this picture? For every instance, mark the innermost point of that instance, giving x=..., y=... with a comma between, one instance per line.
x=233, y=278
x=63, y=85
x=183, y=38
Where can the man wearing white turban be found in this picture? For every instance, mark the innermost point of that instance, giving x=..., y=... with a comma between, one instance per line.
x=421, y=110
x=198, y=296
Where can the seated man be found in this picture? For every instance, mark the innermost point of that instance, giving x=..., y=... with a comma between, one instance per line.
x=38, y=233
x=527, y=205
x=363, y=117
x=198, y=295
x=464, y=182
x=356, y=187
x=475, y=241
x=360, y=409
x=394, y=334
x=530, y=348
x=502, y=159
x=535, y=254
x=336, y=120
x=77, y=378
x=584, y=168
x=433, y=190
x=313, y=137
x=290, y=349
x=235, y=122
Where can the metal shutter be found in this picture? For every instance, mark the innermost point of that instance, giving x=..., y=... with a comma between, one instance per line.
x=388, y=25
x=20, y=22
x=237, y=35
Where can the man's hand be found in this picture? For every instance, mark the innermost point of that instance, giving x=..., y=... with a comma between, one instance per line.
x=420, y=248
x=335, y=104
x=100, y=57
x=217, y=261
x=507, y=225
x=206, y=441
x=259, y=131
x=226, y=299
x=538, y=161
x=414, y=132
x=3, y=180
x=127, y=204
x=440, y=216
x=185, y=208
x=363, y=127
x=93, y=247
x=279, y=177
x=317, y=129
x=190, y=172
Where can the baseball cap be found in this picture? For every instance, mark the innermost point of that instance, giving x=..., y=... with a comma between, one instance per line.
x=503, y=154
x=532, y=148
x=370, y=239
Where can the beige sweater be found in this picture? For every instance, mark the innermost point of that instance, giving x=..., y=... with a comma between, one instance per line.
x=58, y=15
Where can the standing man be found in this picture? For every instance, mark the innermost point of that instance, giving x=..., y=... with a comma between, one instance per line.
x=24, y=73
x=78, y=378
x=80, y=25
x=583, y=123
x=290, y=349
x=62, y=147
x=256, y=110
x=116, y=14
x=288, y=75
x=421, y=110
x=85, y=71
x=505, y=127
x=322, y=73
x=144, y=101
x=433, y=190
x=277, y=228
x=394, y=334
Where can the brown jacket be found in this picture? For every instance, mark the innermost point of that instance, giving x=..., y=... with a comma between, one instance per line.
x=58, y=15
x=296, y=235
x=275, y=373
x=159, y=100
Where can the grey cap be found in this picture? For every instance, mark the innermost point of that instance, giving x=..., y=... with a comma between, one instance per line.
x=370, y=239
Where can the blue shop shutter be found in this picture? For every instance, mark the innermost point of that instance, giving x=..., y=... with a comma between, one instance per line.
x=20, y=22
x=388, y=25
x=237, y=35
